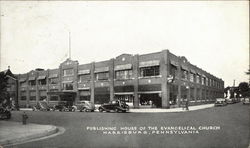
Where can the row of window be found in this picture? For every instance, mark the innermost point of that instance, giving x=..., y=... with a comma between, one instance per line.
x=195, y=78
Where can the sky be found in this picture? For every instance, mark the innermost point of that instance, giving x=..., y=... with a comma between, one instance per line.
x=214, y=35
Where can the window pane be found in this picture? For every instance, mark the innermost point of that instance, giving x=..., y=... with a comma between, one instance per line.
x=150, y=71
x=68, y=72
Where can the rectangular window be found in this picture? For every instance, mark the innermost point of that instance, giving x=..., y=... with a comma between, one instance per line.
x=191, y=77
x=54, y=98
x=123, y=74
x=67, y=86
x=102, y=76
x=202, y=80
x=150, y=71
x=53, y=80
x=184, y=74
x=42, y=82
x=197, y=79
x=42, y=98
x=32, y=82
x=68, y=72
x=84, y=78
x=23, y=98
x=173, y=71
x=32, y=98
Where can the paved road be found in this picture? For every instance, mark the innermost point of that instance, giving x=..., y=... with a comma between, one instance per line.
x=230, y=128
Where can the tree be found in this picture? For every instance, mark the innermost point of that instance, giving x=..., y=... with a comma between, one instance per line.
x=244, y=89
x=4, y=95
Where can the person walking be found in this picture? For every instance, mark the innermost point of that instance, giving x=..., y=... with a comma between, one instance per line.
x=187, y=104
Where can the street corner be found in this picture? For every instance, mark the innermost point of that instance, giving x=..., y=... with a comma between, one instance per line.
x=13, y=133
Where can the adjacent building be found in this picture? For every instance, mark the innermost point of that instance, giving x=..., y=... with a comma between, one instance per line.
x=160, y=79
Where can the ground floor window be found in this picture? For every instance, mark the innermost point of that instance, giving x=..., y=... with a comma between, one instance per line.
x=151, y=100
x=54, y=98
x=84, y=95
x=102, y=98
x=126, y=98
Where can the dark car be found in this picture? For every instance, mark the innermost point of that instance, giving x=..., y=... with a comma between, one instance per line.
x=64, y=106
x=4, y=113
x=41, y=106
x=115, y=105
x=220, y=102
x=85, y=106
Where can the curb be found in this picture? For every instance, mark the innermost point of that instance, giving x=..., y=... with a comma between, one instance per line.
x=49, y=132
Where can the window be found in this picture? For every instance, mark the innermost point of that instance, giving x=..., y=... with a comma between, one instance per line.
x=53, y=80
x=173, y=71
x=54, y=98
x=184, y=74
x=85, y=77
x=42, y=82
x=23, y=98
x=32, y=82
x=42, y=98
x=202, y=80
x=150, y=71
x=123, y=74
x=84, y=98
x=102, y=76
x=68, y=72
x=32, y=98
x=67, y=86
x=191, y=77
x=198, y=79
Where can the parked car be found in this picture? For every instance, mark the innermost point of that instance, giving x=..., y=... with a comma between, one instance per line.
x=229, y=101
x=246, y=101
x=220, y=102
x=64, y=106
x=85, y=106
x=4, y=113
x=115, y=105
x=41, y=106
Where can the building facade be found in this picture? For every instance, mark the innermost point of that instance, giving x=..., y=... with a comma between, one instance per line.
x=160, y=80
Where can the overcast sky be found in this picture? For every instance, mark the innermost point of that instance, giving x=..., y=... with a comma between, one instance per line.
x=212, y=35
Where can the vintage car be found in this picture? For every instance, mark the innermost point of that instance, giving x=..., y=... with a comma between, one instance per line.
x=85, y=106
x=220, y=102
x=4, y=113
x=229, y=100
x=246, y=101
x=115, y=105
x=41, y=106
x=64, y=106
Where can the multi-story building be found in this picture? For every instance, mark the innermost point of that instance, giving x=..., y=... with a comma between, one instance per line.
x=160, y=79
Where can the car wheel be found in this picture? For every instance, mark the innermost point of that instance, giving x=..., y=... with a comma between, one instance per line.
x=117, y=110
x=84, y=110
x=100, y=110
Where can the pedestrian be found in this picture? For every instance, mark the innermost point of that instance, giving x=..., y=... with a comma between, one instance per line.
x=24, y=118
x=187, y=104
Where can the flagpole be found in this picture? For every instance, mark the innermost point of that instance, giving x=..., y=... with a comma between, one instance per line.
x=69, y=45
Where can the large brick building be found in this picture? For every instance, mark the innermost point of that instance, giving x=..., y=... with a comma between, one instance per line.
x=162, y=79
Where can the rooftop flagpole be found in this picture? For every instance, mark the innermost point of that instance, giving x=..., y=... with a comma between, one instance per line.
x=69, y=45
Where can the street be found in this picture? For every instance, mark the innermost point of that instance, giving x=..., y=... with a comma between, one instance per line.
x=216, y=127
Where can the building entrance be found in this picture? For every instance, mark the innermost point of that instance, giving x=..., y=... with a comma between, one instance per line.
x=150, y=100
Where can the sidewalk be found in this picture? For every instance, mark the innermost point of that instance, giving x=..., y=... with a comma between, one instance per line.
x=15, y=132
x=158, y=110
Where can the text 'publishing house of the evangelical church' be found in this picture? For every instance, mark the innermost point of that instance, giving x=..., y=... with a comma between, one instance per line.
x=161, y=79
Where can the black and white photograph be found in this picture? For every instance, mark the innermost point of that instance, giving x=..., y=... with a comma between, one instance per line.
x=124, y=74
